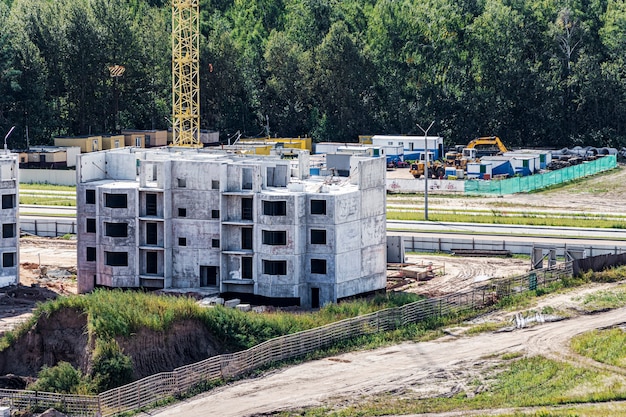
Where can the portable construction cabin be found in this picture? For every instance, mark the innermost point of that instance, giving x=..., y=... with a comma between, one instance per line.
x=501, y=165
x=543, y=157
x=85, y=143
x=413, y=146
x=480, y=170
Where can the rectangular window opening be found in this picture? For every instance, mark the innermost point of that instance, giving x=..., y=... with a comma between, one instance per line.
x=8, y=230
x=116, y=229
x=90, y=225
x=116, y=258
x=275, y=208
x=182, y=241
x=8, y=201
x=151, y=262
x=215, y=214
x=8, y=259
x=116, y=200
x=318, y=266
x=151, y=204
x=318, y=236
x=91, y=254
x=215, y=243
x=246, y=209
x=246, y=238
x=318, y=206
x=246, y=267
x=152, y=235
x=90, y=196
x=182, y=212
x=274, y=237
x=275, y=267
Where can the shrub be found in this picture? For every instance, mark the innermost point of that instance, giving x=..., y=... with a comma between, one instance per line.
x=111, y=368
x=62, y=378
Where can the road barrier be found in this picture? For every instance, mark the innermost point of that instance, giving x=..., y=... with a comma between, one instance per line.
x=150, y=390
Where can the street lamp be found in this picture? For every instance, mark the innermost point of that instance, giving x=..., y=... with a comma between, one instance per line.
x=6, y=151
x=426, y=173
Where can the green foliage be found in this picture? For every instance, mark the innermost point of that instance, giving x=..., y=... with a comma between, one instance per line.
x=62, y=378
x=606, y=346
x=111, y=368
x=535, y=73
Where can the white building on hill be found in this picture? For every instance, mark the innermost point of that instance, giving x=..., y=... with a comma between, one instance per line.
x=258, y=228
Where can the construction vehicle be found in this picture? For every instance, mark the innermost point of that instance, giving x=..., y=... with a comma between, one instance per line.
x=496, y=147
x=436, y=169
x=460, y=156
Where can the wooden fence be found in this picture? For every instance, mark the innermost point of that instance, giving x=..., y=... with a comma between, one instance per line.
x=148, y=391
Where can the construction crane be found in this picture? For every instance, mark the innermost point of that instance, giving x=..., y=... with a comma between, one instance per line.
x=186, y=73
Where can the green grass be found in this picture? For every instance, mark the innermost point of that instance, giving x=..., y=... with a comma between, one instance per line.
x=47, y=200
x=604, y=300
x=526, y=382
x=47, y=187
x=606, y=346
x=529, y=219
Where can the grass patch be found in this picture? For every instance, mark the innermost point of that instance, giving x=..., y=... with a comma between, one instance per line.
x=528, y=219
x=490, y=326
x=47, y=187
x=604, y=300
x=48, y=201
x=528, y=382
x=606, y=346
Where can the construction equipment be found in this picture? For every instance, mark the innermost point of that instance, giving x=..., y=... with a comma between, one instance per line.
x=496, y=147
x=186, y=73
x=435, y=169
x=460, y=156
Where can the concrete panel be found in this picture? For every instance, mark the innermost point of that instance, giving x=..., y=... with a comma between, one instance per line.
x=347, y=237
x=348, y=207
x=374, y=260
x=370, y=172
x=348, y=266
x=373, y=202
x=198, y=204
x=373, y=230
x=361, y=285
x=326, y=248
x=122, y=166
x=48, y=176
x=90, y=167
x=188, y=171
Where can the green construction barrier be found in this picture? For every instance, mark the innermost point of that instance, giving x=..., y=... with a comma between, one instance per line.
x=538, y=181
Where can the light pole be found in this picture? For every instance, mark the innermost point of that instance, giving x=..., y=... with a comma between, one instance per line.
x=426, y=173
x=6, y=151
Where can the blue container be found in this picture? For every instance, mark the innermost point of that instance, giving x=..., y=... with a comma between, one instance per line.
x=314, y=171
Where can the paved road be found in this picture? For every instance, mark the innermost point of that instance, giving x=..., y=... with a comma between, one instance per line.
x=391, y=369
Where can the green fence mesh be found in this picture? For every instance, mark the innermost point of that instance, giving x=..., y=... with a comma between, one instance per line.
x=538, y=181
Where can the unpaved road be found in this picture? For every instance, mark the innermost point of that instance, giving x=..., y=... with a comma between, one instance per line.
x=426, y=368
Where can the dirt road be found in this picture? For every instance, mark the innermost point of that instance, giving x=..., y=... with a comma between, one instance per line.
x=426, y=368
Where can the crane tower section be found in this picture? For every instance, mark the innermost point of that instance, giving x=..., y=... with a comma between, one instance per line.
x=186, y=72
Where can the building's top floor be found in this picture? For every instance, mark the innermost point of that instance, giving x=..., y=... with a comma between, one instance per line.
x=202, y=169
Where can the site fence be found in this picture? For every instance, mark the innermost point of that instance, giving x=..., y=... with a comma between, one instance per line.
x=48, y=228
x=538, y=181
x=149, y=391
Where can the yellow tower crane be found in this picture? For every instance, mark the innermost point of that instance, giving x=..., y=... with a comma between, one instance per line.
x=186, y=73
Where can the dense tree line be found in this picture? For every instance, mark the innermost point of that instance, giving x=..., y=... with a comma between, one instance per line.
x=540, y=72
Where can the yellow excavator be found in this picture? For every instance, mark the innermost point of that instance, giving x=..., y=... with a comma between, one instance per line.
x=462, y=155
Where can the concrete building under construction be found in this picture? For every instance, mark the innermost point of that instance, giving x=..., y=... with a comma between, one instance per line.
x=9, y=200
x=257, y=228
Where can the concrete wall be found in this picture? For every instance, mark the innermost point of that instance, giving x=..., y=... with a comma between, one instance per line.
x=9, y=195
x=48, y=176
x=407, y=185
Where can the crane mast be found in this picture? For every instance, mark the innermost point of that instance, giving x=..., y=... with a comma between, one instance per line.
x=186, y=73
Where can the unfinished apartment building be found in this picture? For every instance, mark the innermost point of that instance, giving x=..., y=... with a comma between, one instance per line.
x=9, y=240
x=256, y=228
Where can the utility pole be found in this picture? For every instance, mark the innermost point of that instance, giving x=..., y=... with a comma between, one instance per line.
x=426, y=173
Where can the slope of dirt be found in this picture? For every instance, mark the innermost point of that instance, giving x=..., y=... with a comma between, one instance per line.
x=59, y=337
x=152, y=352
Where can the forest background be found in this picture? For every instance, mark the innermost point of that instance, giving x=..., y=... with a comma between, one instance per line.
x=534, y=72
